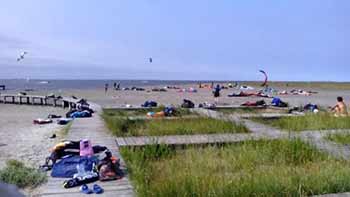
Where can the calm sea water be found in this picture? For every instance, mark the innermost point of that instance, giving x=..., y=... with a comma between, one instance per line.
x=35, y=84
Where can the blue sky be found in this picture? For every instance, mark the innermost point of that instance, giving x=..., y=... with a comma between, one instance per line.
x=187, y=39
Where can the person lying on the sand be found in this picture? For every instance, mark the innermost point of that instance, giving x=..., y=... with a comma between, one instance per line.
x=340, y=108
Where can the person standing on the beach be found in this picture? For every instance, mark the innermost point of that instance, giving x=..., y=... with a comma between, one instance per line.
x=340, y=108
x=216, y=93
x=106, y=88
x=115, y=85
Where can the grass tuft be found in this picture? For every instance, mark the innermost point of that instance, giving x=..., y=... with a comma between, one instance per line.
x=340, y=138
x=15, y=172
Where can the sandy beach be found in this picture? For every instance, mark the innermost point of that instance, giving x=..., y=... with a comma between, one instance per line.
x=324, y=97
x=21, y=139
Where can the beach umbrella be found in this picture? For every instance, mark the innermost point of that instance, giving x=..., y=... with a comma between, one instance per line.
x=265, y=81
x=21, y=56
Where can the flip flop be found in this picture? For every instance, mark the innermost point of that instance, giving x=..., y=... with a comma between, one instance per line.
x=97, y=189
x=85, y=189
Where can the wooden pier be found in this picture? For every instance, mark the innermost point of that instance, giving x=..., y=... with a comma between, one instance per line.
x=38, y=100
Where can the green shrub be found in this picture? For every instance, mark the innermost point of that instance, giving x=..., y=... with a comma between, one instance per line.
x=18, y=174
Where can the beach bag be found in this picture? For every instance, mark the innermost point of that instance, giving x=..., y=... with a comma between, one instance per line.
x=86, y=148
x=276, y=101
x=187, y=104
x=109, y=168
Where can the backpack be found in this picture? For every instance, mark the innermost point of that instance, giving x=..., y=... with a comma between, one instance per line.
x=109, y=168
x=85, y=148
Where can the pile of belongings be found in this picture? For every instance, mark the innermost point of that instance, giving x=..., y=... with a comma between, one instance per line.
x=84, y=105
x=81, y=163
x=307, y=108
x=149, y=104
x=277, y=102
x=254, y=104
x=172, y=87
x=46, y=120
x=74, y=113
x=64, y=121
x=269, y=90
x=187, y=104
x=302, y=92
x=134, y=88
x=60, y=120
x=191, y=90
x=283, y=92
x=159, y=90
x=246, y=88
x=167, y=111
x=207, y=105
x=246, y=94
x=42, y=121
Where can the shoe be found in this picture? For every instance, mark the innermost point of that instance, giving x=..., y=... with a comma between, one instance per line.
x=85, y=189
x=97, y=189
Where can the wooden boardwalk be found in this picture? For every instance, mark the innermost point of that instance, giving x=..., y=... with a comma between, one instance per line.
x=38, y=100
x=94, y=129
x=179, y=140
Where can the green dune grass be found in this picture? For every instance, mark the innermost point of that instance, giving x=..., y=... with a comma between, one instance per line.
x=263, y=168
x=320, y=121
x=340, y=138
x=158, y=127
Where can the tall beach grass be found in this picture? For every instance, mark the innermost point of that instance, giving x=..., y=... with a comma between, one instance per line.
x=263, y=168
x=308, y=122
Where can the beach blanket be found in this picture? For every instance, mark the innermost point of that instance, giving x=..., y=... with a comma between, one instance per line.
x=67, y=166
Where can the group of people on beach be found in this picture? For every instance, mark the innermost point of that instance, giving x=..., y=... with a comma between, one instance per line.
x=116, y=86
